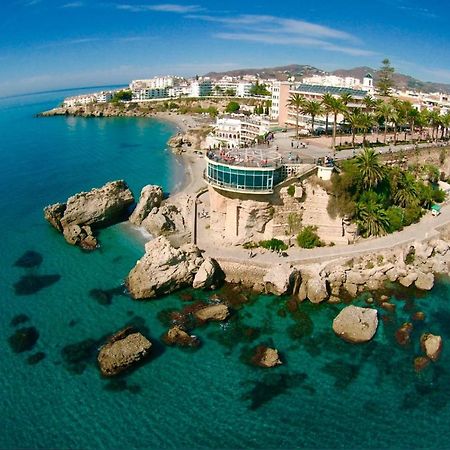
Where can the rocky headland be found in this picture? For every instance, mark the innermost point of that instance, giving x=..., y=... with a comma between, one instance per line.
x=83, y=214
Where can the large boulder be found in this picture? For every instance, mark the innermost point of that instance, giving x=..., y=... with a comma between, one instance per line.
x=214, y=312
x=280, y=279
x=163, y=269
x=356, y=325
x=91, y=210
x=316, y=289
x=167, y=218
x=425, y=281
x=209, y=275
x=431, y=345
x=151, y=197
x=123, y=350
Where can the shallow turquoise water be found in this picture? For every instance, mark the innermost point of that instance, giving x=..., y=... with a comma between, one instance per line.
x=329, y=394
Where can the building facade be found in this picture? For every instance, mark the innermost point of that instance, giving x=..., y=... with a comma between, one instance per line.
x=237, y=130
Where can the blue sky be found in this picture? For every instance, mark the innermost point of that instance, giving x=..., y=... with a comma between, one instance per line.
x=53, y=44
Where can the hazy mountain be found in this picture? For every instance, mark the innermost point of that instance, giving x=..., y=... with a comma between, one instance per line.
x=299, y=71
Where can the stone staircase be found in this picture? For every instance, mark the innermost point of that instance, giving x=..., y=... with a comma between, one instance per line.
x=315, y=213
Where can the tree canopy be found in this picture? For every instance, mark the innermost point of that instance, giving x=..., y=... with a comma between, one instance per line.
x=385, y=81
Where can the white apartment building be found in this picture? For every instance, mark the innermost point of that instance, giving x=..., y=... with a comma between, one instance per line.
x=201, y=88
x=243, y=89
x=366, y=84
x=237, y=130
x=85, y=99
x=153, y=83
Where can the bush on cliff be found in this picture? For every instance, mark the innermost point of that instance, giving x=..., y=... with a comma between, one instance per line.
x=308, y=238
x=273, y=244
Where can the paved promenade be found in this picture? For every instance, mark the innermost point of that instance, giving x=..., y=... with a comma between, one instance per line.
x=425, y=229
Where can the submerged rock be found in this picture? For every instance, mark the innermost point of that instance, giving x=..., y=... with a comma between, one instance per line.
x=35, y=358
x=151, y=197
x=403, y=334
x=215, y=312
x=177, y=336
x=420, y=362
x=29, y=259
x=19, y=319
x=163, y=269
x=356, y=325
x=123, y=350
x=23, y=339
x=266, y=357
x=85, y=211
x=101, y=297
x=431, y=345
x=30, y=284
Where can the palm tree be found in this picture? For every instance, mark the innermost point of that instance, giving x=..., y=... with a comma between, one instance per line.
x=370, y=169
x=445, y=124
x=406, y=193
x=367, y=121
x=346, y=98
x=312, y=108
x=398, y=116
x=371, y=219
x=334, y=106
x=296, y=101
x=369, y=103
x=385, y=111
x=435, y=122
x=354, y=118
x=412, y=116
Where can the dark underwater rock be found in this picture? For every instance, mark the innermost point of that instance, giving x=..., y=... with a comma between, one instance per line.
x=101, y=297
x=35, y=358
x=29, y=259
x=30, y=284
x=23, y=339
x=78, y=355
x=19, y=319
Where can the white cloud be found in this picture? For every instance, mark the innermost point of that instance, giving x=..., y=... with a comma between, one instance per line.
x=163, y=7
x=293, y=40
x=73, y=5
x=282, y=31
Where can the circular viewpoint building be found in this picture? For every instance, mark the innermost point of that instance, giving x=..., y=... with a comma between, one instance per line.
x=248, y=170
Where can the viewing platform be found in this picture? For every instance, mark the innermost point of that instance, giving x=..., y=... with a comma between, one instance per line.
x=253, y=170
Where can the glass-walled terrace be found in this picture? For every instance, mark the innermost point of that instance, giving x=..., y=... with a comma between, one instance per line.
x=253, y=180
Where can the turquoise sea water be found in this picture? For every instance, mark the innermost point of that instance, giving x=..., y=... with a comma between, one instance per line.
x=329, y=394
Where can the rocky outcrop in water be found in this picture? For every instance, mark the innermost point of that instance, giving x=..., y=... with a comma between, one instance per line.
x=123, y=350
x=87, y=211
x=177, y=335
x=151, y=197
x=356, y=325
x=214, y=312
x=163, y=269
x=266, y=357
x=431, y=345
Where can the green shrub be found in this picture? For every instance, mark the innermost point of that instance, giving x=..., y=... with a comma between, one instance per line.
x=291, y=190
x=412, y=214
x=273, y=244
x=232, y=107
x=395, y=216
x=410, y=257
x=308, y=238
x=438, y=195
x=250, y=245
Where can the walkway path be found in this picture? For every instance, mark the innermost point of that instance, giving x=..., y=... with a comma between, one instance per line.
x=425, y=229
